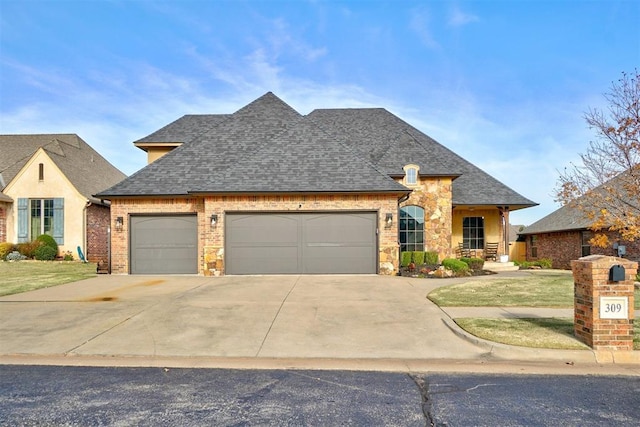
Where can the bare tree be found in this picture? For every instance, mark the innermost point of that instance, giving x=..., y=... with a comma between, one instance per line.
x=606, y=186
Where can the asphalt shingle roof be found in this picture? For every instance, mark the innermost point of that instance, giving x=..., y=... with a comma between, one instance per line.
x=264, y=147
x=267, y=146
x=391, y=143
x=185, y=128
x=85, y=168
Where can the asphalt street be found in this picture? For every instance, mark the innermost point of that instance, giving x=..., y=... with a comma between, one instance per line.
x=88, y=396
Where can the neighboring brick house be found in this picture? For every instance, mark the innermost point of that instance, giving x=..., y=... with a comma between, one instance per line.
x=564, y=235
x=266, y=190
x=47, y=184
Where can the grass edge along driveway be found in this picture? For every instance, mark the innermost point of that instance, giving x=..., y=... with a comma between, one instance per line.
x=24, y=276
x=542, y=288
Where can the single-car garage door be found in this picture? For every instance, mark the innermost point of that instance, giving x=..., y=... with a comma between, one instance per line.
x=301, y=243
x=164, y=244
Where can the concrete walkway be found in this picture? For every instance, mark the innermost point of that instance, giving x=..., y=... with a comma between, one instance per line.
x=346, y=322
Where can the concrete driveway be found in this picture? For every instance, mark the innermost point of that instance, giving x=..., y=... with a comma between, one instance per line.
x=354, y=317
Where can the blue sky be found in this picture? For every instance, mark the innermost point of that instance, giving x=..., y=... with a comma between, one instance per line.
x=504, y=84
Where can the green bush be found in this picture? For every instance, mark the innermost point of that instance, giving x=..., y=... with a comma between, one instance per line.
x=455, y=265
x=475, y=264
x=6, y=248
x=405, y=258
x=431, y=258
x=544, y=263
x=49, y=241
x=418, y=258
x=28, y=249
x=45, y=253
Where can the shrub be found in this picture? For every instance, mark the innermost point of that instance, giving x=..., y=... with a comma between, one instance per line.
x=45, y=253
x=68, y=256
x=455, y=265
x=475, y=264
x=15, y=256
x=431, y=258
x=28, y=249
x=405, y=259
x=6, y=248
x=544, y=263
x=49, y=241
x=418, y=258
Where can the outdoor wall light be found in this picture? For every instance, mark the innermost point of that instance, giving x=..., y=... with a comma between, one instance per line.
x=214, y=220
x=389, y=219
x=119, y=223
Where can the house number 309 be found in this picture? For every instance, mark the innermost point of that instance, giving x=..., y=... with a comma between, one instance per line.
x=614, y=307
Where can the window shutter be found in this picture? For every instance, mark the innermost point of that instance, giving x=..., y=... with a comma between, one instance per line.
x=23, y=220
x=58, y=220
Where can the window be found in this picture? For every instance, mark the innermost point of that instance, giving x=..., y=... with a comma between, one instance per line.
x=534, y=246
x=40, y=216
x=411, y=228
x=411, y=174
x=586, y=245
x=473, y=232
x=41, y=172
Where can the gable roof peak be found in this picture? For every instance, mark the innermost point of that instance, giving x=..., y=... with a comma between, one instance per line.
x=268, y=104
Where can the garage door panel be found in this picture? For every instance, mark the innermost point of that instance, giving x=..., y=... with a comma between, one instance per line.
x=254, y=229
x=345, y=260
x=164, y=245
x=264, y=260
x=313, y=243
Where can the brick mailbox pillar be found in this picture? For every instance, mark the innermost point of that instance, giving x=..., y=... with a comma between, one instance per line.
x=603, y=301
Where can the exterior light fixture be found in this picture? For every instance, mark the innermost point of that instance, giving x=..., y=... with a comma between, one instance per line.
x=214, y=220
x=119, y=223
x=389, y=219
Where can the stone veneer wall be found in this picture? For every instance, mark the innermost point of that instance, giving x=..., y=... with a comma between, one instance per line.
x=563, y=247
x=434, y=196
x=211, y=239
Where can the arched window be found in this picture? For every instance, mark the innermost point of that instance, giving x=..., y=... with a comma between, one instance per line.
x=411, y=174
x=411, y=228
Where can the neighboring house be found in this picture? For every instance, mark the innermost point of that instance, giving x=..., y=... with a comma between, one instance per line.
x=564, y=235
x=47, y=183
x=266, y=190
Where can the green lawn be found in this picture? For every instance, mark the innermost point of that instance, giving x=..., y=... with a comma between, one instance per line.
x=24, y=276
x=552, y=288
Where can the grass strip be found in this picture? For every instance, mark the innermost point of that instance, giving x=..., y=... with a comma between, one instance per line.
x=553, y=333
x=25, y=276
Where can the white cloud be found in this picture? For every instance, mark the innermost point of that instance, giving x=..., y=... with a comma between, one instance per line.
x=420, y=24
x=458, y=18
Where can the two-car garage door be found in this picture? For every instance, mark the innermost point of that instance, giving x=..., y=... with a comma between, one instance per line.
x=260, y=243
x=300, y=243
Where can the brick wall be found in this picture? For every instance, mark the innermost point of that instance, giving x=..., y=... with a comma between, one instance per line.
x=563, y=247
x=125, y=208
x=211, y=240
x=3, y=223
x=98, y=234
x=591, y=278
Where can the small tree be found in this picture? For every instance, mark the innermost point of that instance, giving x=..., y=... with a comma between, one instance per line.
x=605, y=187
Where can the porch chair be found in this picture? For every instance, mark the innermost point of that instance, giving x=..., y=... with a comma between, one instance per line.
x=491, y=251
x=463, y=251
